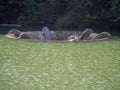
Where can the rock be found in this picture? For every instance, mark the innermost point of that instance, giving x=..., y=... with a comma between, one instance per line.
x=85, y=34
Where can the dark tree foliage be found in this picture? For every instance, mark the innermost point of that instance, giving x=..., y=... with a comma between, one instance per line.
x=10, y=10
x=67, y=13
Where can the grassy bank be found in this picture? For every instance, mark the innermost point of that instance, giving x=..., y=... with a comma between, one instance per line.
x=26, y=65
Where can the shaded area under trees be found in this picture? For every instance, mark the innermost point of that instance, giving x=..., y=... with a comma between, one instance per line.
x=67, y=13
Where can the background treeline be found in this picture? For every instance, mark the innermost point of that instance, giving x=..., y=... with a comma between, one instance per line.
x=67, y=13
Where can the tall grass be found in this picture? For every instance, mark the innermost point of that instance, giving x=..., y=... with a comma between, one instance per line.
x=26, y=65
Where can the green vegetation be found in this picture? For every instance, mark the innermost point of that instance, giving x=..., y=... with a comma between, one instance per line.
x=28, y=65
x=68, y=13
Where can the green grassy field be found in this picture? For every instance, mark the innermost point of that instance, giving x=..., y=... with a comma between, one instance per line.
x=27, y=65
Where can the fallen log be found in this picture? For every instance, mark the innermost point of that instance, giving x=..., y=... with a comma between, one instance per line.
x=47, y=35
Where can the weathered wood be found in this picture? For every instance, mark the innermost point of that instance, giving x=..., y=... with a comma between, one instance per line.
x=85, y=34
x=92, y=36
x=16, y=32
x=37, y=35
x=73, y=38
x=47, y=33
x=63, y=35
x=102, y=35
